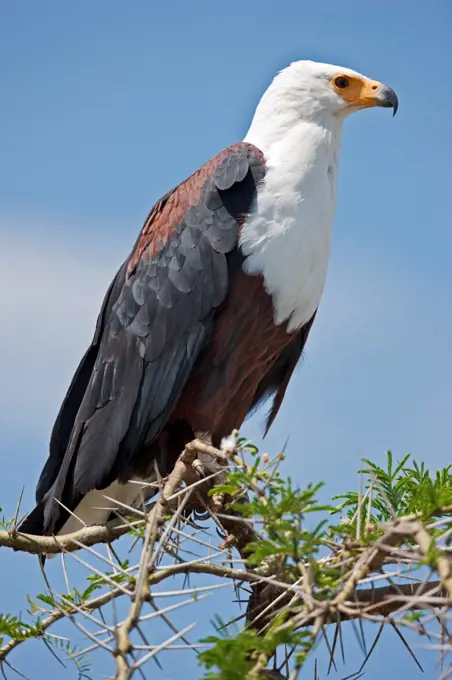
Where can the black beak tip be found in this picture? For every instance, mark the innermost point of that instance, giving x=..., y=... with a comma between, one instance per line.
x=390, y=99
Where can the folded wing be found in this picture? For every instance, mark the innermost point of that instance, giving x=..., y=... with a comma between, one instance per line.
x=155, y=320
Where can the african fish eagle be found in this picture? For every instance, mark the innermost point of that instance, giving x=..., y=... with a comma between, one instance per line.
x=210, y=312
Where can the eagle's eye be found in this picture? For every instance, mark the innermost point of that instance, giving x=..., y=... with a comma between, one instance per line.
x=341, y=82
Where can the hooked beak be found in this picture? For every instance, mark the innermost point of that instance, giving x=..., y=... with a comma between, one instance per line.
x=387, y=98
x=364, y=93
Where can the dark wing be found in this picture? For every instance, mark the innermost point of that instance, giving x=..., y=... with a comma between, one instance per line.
x=154, y=322
x=65, y=420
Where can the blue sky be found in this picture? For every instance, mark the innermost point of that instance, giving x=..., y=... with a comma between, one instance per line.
x=104, y=106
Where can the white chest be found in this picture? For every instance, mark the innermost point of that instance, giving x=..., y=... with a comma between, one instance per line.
x=287, y=237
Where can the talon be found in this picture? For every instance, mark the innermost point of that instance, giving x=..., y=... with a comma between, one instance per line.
x=201, y=516
x=221, y=534
x=198, y=468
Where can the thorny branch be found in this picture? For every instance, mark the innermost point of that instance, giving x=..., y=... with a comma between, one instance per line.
x=166, y=531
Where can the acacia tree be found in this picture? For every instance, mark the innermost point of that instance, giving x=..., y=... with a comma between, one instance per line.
x=303, y=569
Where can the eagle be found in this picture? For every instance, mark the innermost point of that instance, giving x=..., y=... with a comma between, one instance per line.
x=209, y=314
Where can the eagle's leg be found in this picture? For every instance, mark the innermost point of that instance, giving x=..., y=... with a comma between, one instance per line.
x=204, y=438
x=206, y=465
x=211, y=464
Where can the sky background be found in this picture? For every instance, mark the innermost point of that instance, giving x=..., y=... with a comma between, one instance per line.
x=106, y=105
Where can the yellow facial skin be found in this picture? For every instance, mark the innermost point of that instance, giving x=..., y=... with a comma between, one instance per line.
x=362, y=93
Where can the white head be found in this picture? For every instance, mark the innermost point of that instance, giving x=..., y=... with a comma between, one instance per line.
x=297, y=126
x=307, y=91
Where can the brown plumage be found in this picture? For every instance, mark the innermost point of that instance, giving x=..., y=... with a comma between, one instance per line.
x=185, y=342
x=248, y=359
x=187, y=338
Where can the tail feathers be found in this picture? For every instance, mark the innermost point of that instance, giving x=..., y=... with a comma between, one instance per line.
x=97, y=506
x=94, y=509
x=34, y=522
